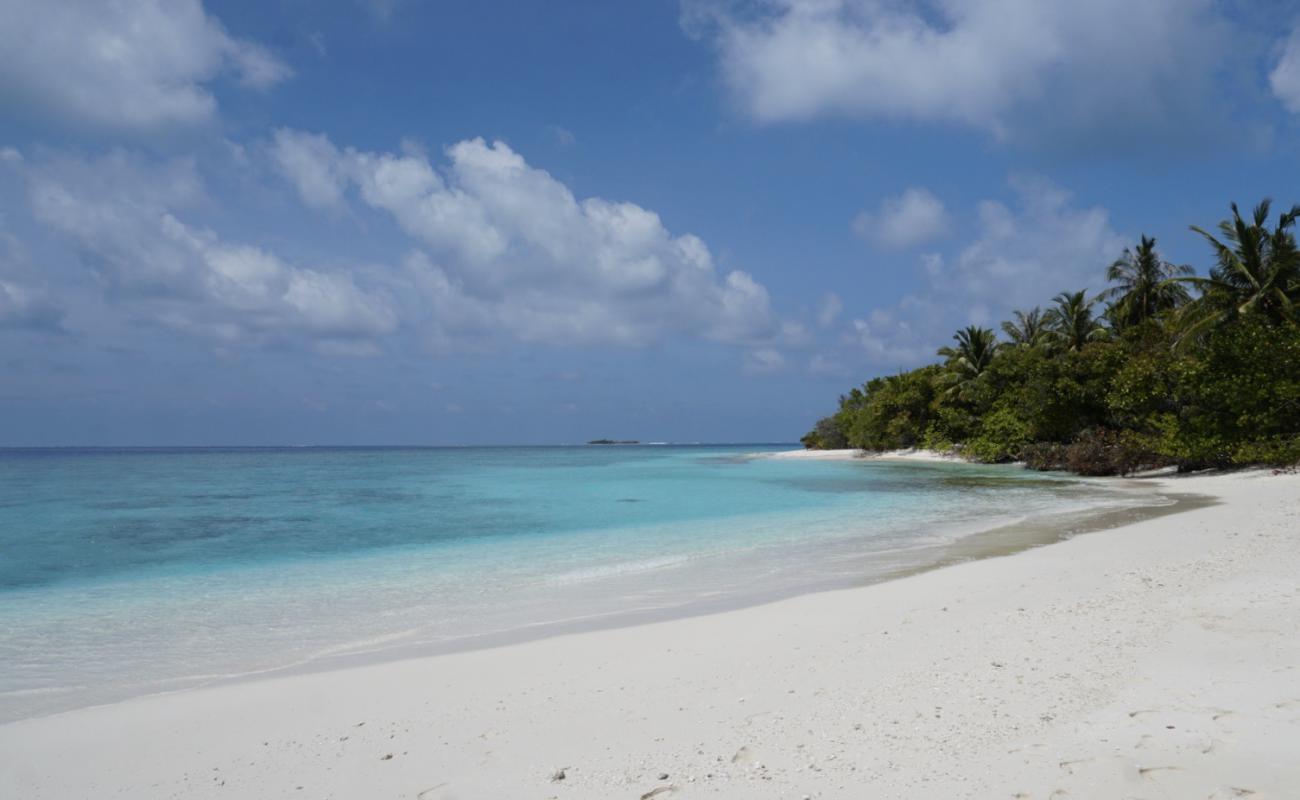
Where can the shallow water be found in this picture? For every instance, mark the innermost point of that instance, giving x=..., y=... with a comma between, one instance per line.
x=124, y=572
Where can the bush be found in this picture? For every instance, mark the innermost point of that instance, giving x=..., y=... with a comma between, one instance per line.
x=825, y=435
x=1108, y=452
x=936, y=439
x=1098, y=451
x=1279, y=451
x=1044, y=456
x=1003, y=433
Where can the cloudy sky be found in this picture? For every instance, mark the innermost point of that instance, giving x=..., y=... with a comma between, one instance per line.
x=419, y=222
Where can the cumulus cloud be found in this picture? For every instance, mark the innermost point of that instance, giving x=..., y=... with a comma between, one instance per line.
x=504, y=246
x=129, y=64
x=830, y=309
x=314, y=167
x=992, y=64
x=1285, y=77
x=1028, y=252
x=124, y=214
x=914, y=217
x=24, y=303
x=24, y=307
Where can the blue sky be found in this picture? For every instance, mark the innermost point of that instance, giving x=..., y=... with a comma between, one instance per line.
x=409, y=222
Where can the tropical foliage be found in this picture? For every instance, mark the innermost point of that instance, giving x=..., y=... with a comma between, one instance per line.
x=1028, y=329
x=1161, y=368
x=1256, y=269
x=1145, y=286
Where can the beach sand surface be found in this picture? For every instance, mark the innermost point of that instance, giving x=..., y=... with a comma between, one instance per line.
x=1156, y=660
x=915, y=454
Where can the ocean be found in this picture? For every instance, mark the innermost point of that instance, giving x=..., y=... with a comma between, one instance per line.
x=126, y=572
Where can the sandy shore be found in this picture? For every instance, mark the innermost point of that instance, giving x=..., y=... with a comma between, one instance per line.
x=1158, y=660
x=843, y=455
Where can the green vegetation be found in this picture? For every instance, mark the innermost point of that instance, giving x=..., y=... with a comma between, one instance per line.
x=1162, y=368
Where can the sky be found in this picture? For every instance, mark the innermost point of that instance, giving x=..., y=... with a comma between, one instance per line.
x=408, y=222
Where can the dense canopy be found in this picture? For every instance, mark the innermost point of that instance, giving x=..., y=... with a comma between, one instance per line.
x=1162, y=368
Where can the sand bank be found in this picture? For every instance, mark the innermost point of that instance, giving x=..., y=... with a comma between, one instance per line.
x=1156, y=660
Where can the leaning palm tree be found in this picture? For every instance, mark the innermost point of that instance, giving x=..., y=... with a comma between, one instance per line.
x=1071, y=324
x=1257, y=269
x=1028, y=329
x=1145, y=285
x=967, y=361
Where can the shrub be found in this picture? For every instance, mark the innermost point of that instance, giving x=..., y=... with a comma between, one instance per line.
x=1043, y=456
x=1101, y=451
x=1002, y=435
x=1279, y=451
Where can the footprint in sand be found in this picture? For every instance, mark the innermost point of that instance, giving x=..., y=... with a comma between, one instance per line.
x=1221, y=713
x=1230, y=793
x=1154, y=773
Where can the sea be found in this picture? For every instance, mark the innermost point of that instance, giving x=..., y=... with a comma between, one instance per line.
x=126, y=572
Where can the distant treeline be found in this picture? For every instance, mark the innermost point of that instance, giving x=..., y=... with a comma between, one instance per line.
x=1162, y=368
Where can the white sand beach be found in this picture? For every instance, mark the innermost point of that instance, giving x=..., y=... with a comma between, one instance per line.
x=914, y=454
x=1157, y=660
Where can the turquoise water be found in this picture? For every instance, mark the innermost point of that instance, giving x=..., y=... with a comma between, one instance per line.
x=131, y=571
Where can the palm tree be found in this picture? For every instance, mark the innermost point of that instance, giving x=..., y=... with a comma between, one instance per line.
x=1027, y=329
x=1071, y=325
x=1257, y=269
x=975, y=350
x=1145, y=285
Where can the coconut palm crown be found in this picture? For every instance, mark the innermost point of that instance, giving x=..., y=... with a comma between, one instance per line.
x=1028, y=329
x=1145, y=285
x=967, y=361
x=1072, y=324
x=1256, y=269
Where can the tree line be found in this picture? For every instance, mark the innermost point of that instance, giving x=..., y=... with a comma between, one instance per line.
x=1162, y=368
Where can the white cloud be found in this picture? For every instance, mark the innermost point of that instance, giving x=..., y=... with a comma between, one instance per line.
x=1285, y=77
x=914, y=217
x=128, y=64
x=122, y=213
x=563, y=136
x=381, y=9
x=1027, y=253
x=24, y=303
x=830, y=309
x=974, y=62
x=894, y=337
x=312, y=164
x=506, y=247
x=23, y=307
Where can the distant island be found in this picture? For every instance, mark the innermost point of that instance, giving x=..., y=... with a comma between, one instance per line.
x=613, y=441
x=1163, y=368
